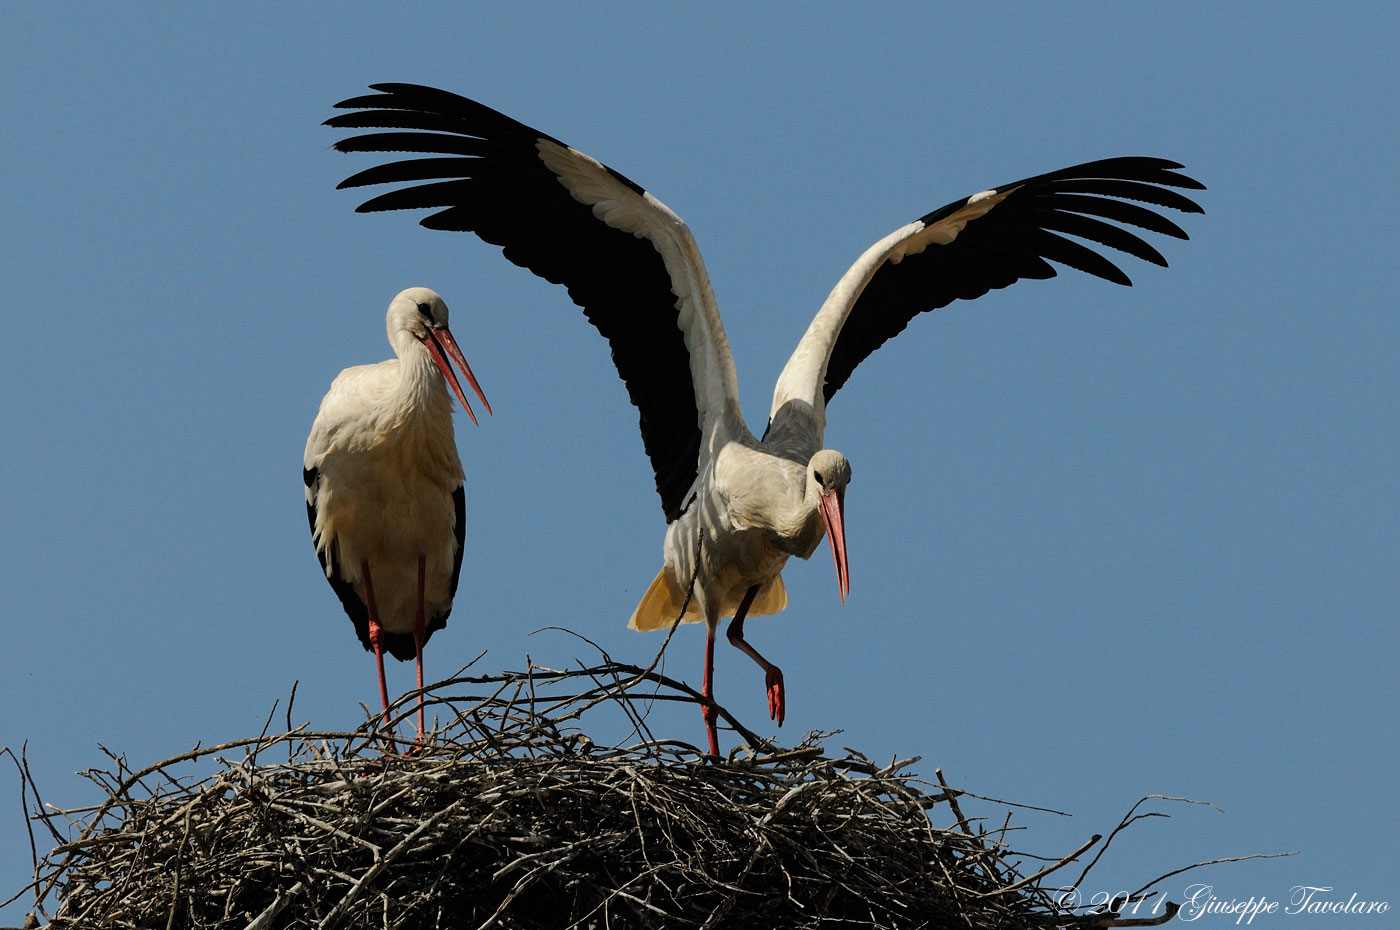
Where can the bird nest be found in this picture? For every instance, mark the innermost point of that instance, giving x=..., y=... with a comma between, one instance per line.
x=510, y=816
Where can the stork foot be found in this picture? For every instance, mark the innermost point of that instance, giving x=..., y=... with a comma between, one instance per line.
x=772, y=675
x=777, y=697
x=420, y=742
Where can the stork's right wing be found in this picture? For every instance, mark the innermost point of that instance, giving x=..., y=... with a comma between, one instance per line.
x=626, y=259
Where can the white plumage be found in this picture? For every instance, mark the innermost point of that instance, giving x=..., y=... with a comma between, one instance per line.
x=384, y=493
x=741, y=504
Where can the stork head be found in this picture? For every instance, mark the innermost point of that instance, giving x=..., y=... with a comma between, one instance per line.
x=828, y=473
x=420, y=313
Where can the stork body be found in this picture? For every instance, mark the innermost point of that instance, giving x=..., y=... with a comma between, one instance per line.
x=384, y=492
x=737, y=506
x=755, y=508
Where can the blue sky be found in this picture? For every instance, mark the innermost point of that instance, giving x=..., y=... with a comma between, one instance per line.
x=1104, y=542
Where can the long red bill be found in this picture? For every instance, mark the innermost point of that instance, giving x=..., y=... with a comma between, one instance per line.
x=833, y=507
x=436, y=341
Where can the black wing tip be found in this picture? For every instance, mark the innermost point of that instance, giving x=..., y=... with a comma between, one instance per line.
x=1167, y=173
x=1106, y=270
x=407, y=87
x=1184, y=181
x=391, y=89
x=1142, y=168
x=389, y=97
x=397, y=97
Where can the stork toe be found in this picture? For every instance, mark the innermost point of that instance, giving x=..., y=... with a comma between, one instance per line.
x=777, y=700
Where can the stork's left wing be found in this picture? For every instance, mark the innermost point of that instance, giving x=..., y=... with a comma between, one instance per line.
x=989, y=240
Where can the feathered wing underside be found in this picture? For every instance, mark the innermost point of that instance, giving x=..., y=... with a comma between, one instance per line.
x=626, y=259
x=989, y=240
x=398, y=645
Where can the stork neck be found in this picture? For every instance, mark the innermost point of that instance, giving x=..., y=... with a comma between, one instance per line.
x=420, y=383
x=808, y=530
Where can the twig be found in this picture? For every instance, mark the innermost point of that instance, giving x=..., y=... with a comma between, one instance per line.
x=1197, y=865
x=508, y=811
x=1047, y=870
x=1129, y=818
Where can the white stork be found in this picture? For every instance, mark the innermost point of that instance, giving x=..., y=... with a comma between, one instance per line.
x=384, y=485
x=737, y=505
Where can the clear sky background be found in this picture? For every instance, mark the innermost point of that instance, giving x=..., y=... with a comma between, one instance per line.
x=1104, y=542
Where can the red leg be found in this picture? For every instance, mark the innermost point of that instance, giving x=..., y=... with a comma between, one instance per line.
x=707, y=689
x=420, y=634
x=773, y=676
x=376, y=638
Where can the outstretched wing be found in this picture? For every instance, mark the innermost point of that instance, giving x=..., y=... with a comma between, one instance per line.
x=989, y=240
x=626, y=259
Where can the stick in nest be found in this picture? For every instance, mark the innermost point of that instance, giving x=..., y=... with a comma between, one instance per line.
x=512, y=817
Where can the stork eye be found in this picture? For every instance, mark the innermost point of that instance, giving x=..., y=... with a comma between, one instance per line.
x=426, y=310
x=818, y=476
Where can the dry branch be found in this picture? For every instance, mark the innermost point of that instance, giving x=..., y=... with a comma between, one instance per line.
x=511, y=817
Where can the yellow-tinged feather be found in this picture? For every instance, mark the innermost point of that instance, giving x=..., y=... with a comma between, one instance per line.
x=662, y=601
x=771, y=598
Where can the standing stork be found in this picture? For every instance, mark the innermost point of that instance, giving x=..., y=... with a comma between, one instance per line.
x=384, y=485
x=737, y=507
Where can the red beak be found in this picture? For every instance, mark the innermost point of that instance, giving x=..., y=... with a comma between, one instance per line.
x=439, y=339
x=833, y=513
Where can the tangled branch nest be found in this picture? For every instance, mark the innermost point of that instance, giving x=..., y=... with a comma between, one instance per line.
x=510, y=817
